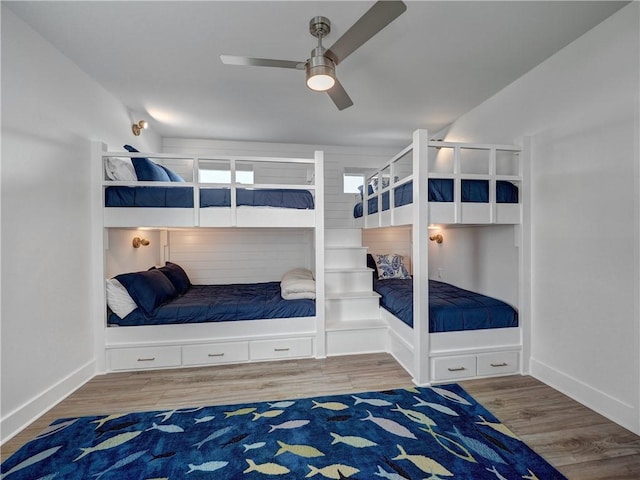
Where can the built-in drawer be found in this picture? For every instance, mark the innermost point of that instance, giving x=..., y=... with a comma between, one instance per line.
x=144, y=357
x=281, y=348
x=450, y=368
x=497, y=363
x=214, y=353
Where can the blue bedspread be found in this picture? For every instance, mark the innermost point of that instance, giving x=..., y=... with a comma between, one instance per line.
x=182, y=197
x=176, y=197
x=441, y=190
x=450, y=308
x=215, y=303
x=272, y=197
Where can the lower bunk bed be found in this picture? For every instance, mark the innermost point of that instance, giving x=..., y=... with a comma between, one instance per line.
x=157, y=318
x=470, y=334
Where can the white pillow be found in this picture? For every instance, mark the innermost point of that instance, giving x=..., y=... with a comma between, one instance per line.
x=118, y=299
x=298, y=283
x=120, y=169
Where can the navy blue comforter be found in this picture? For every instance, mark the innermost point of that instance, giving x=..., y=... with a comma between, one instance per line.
x=182, y=197
x=450, y=308
x=215, y=303
x=441, y=190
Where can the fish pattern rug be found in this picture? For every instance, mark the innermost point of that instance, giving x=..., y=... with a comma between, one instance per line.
x=415, y=433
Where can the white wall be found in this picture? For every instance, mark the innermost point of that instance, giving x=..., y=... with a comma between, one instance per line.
x=50, y=112
x=581, y=109
x=121, y=257
x=481, y=259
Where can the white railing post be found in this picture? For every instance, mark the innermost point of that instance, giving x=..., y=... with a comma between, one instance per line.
x=420, y=238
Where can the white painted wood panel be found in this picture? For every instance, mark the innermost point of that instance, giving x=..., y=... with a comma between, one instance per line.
x=389, y=240
x=214, y=256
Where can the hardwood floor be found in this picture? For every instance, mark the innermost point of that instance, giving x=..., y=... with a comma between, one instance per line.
x=578, y=442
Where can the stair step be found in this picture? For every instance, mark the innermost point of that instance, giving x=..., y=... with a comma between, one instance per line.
x=345, y=257
x=365, y=324
x=348, y=270
x=343, y=236
x=351, y=295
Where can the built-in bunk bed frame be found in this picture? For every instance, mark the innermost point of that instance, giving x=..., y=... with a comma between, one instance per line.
x=437, y=357
x=191, y=344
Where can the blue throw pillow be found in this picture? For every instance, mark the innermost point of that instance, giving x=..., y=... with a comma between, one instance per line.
x=148, y=289
x=390, y=266
x=148, y=171
x=177, y=276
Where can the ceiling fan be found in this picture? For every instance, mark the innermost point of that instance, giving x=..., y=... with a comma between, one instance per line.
x=320, y=67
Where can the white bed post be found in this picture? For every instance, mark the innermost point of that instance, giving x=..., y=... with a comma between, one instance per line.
x=98, y=243
x=524, y=253
x=321, y=341
x=420, y=258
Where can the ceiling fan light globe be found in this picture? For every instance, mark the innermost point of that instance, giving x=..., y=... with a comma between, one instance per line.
x=321, y=83
x=320, y=74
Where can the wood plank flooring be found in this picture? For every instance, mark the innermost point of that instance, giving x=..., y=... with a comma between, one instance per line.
x=578, y=442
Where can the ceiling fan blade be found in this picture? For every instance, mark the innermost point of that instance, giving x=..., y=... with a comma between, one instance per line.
x=261, y=62
x=381, y=14
x=339, y=96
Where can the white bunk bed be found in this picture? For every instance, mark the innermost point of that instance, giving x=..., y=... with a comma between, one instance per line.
x=445, y=356
x=191, y=344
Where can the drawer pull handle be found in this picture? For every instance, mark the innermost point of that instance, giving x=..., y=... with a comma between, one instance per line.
x=148, y=359
x=456, y=369
x=216, y=354
x=503, y=364
x=281, y=349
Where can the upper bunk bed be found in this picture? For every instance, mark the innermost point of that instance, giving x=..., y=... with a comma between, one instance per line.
x=168, y=190
x=459, y=183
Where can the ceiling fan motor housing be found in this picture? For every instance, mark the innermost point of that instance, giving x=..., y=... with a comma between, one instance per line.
x=319, y=26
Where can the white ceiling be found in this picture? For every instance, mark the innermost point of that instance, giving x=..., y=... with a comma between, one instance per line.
x=435, y=62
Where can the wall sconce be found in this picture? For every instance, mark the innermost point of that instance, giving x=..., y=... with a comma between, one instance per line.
x=138, y=127
x=137, y=242
x=437, y=237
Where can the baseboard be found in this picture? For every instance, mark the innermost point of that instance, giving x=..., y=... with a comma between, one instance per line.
x=21, y=417
x=614, y=409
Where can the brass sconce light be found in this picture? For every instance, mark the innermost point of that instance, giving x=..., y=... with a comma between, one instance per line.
x=437, y=237
x=137, y=242
x=138, y=127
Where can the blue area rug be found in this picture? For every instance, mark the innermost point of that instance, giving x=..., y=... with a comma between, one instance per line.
x=415, y=433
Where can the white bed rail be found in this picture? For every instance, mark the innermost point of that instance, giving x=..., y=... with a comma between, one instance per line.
x=193, y=168
x=456, y=161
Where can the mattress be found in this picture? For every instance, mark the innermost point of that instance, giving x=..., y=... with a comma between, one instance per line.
x=216, y=303
x=450, y=308
x=441, y=190
x=182, y=197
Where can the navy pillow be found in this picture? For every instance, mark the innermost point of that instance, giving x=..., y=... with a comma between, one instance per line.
x=148, y=289
x=146, y=170
x=173, y=176
x=371, y=263
x=151, y=171
x=177, y=276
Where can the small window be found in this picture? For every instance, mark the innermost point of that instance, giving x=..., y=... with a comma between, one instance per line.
x=224, y=176
x=352, y=181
